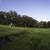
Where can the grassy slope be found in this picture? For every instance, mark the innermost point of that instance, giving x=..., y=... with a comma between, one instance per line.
x=19, y=38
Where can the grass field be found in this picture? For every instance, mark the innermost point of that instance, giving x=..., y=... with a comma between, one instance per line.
x=19, y=38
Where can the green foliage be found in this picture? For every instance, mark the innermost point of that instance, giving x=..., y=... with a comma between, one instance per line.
x=11, y=17
x=17, y=20
x=43, y=24
x=48, y=23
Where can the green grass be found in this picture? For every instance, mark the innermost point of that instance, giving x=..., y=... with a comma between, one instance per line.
x=19, y=38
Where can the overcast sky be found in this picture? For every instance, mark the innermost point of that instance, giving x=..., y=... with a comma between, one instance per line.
x=38, y=9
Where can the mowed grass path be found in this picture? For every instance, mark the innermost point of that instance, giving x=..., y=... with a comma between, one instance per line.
x=19, y=38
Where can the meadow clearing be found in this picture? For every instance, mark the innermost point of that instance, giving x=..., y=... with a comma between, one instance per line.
x=20, y=38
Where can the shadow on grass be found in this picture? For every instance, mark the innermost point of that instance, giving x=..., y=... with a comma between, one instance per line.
x=17, y=41
x=21, y=41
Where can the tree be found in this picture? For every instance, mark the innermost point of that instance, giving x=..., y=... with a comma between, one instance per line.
x=43, y=24
x=29, y=21
x=11, y=17
x=2, y=17
x=48, y=24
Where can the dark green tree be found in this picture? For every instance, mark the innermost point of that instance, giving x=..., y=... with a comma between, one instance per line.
x=48, y=24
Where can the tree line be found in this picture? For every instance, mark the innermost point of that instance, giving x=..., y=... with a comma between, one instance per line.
x=12, y=18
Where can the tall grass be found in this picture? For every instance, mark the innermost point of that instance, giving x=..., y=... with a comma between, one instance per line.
x=18, y=38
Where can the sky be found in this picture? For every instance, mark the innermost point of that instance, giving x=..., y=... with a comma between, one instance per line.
x=37, y=9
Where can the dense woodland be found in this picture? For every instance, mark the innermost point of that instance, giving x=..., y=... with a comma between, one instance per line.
x=12, y=18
